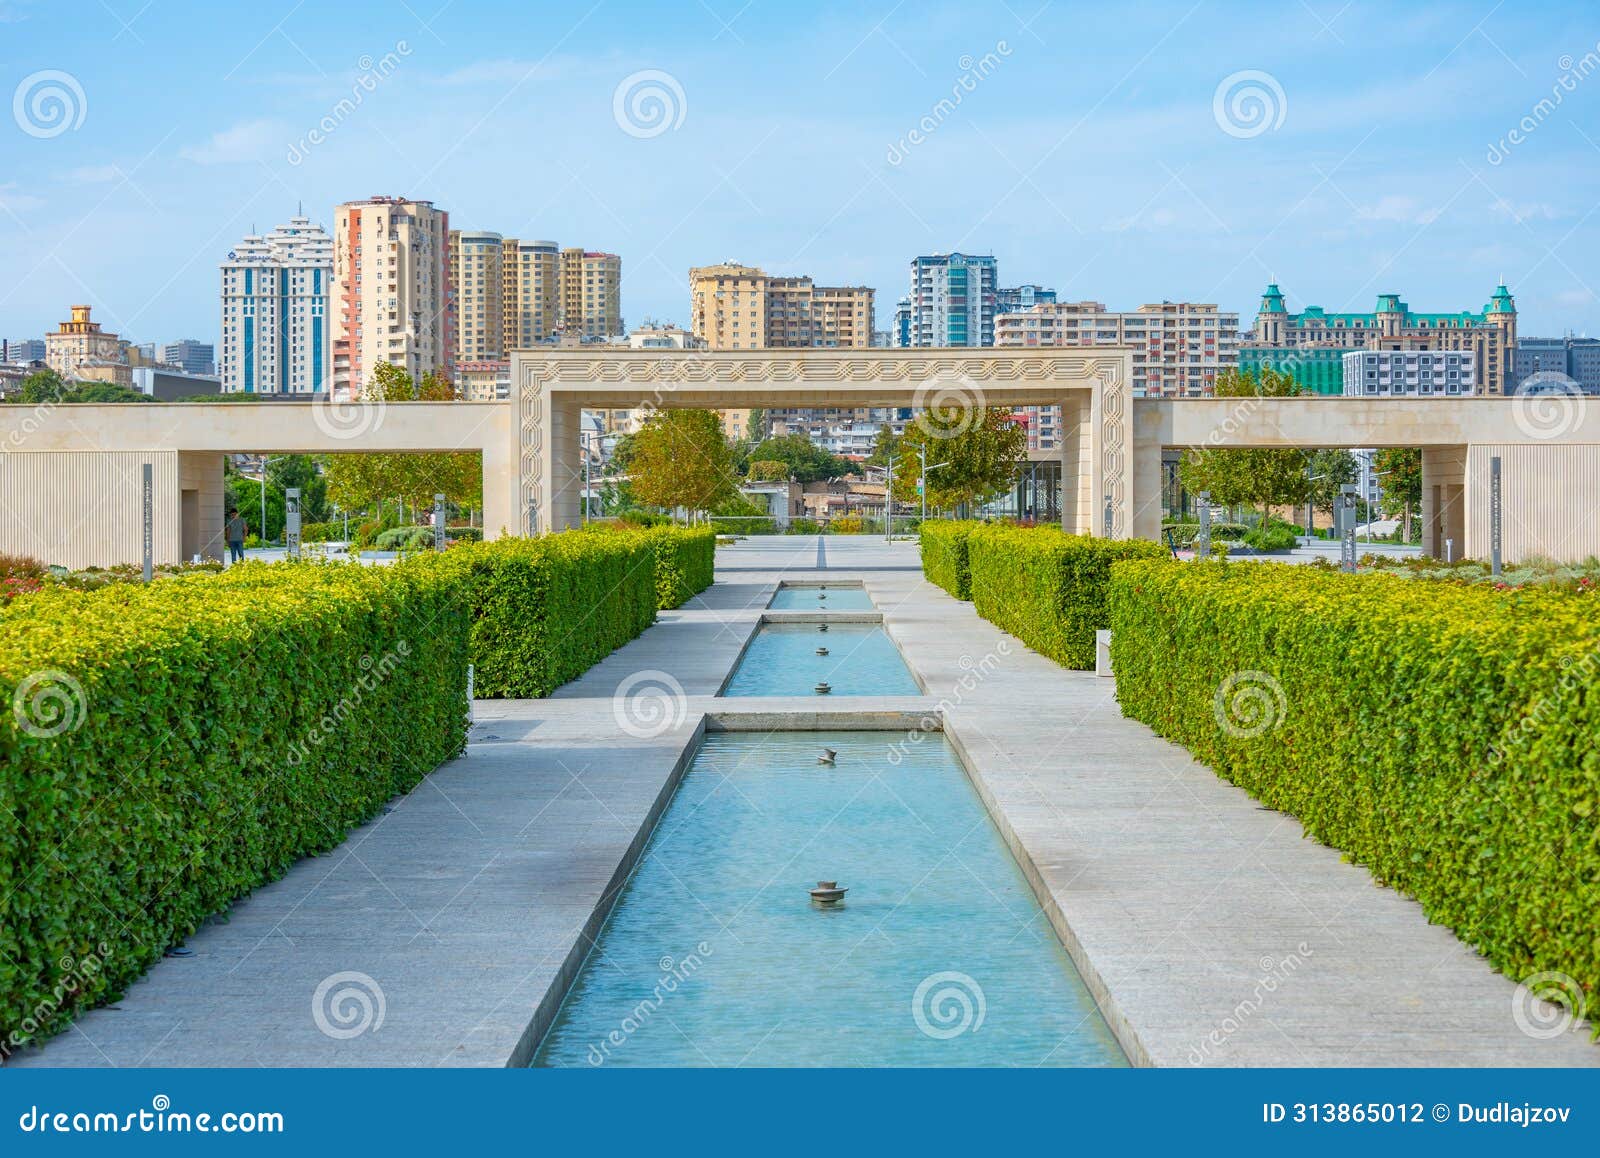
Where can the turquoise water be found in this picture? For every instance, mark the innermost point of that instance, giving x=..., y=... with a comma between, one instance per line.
x=792, y=598
x=716, y=956
x=782, y=660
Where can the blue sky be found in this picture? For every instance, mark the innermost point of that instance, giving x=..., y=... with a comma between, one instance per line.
x=1088, y=151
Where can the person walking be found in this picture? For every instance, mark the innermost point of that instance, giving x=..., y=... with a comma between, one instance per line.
x=236, y=533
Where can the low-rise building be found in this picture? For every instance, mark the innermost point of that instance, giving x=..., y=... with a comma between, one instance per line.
x=1543, y=363
x=1409, y=373
x=80, y=349
x=484, y=380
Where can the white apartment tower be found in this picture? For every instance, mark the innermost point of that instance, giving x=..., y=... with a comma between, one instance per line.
x=276, y=335
x=391, y=267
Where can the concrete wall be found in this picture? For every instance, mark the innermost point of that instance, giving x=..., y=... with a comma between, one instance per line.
x=1551, y=497
x=85, y=508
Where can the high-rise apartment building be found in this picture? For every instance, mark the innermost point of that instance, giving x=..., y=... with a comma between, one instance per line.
x=1178, y=347
x=739, y=307
x=952, y=300
x=591, y=293
x=391, y=267
x=80, y=349
x=189, y=355
x=277, y=332
x=477, y=277
x=530, y=306
x=1490, y=334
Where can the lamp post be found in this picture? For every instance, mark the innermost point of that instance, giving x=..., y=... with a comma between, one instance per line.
x=263, y=480
x=922, y=478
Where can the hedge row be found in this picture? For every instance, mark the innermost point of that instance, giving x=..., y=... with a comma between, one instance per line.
x=685, y=562
x=944, y=555
x=1447, y=737
x=175, y=745
x=546, y=610
x=1048, y=588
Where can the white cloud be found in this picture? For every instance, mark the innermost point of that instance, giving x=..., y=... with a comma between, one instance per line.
x=1401, y=210
x=94, y=175
x=246, y=141
x=14, y=199
x=1520, y=211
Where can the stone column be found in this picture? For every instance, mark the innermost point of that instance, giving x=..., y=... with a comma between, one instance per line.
x=1076, y=459
x=561, y=484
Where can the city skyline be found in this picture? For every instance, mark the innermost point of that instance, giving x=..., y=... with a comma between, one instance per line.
x=1139, y=174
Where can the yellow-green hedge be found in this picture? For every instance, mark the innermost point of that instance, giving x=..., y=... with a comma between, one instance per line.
x=1048, y=588
x=1446, y=737
x=943, y=543
x=545, y=610
x=167, y=748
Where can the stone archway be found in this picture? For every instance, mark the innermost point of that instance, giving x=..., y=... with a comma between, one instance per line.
x=551, y=388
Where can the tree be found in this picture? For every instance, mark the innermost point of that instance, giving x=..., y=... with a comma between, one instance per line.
x=1401, y=468
x=46, y=386
x=757, y=427
x=883, y=447
x=806, y=461
x=300, y=470
x=1331, y=469
x=680, y=458
x=981, y=459
x=768, y=470
x=1257, y=475
x=356, y=481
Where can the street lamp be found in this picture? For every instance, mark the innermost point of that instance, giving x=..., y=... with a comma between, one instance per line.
x=922, y=479
x=263, y=481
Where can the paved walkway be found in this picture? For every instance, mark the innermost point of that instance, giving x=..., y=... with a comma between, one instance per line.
x=1209, y=929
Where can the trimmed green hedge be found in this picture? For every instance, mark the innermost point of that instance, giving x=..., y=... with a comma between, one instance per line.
x=686, y=559
x=1447, y=737
x=944, y=554
x=177, y=744
x=546, y=610
x=1048, y=588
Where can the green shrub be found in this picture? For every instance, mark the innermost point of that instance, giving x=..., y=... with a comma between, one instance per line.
x=1185, y=534
x=180, y=743
x=1443, y=735
x=803, y=527
x=944, y=555
x=1048, y=588
x=846, y=525
x=546, y=610
x=1272, y=536
x=685, y=559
